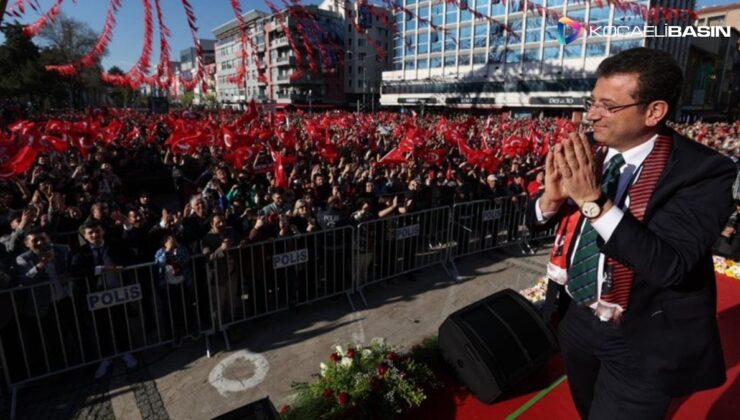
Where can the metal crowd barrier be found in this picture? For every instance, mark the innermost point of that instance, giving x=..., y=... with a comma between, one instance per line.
x=529, y=237
x=269, y=277
x=483, y=225
x=52, y=329
x=397, y=245
x=56, y=326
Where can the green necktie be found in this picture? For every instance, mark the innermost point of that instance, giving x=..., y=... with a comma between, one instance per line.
x=582, y=273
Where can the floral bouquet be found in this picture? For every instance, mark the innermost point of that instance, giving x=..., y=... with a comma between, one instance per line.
x=726, y=267
x=378, y=381
x=537, y=292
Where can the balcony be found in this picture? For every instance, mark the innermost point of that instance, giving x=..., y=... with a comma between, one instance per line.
x=280, y=42
x=286, y=60
x=299, y=97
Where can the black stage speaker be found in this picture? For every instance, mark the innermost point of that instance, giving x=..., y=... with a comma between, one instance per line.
x=257, y=410
x=496, y=342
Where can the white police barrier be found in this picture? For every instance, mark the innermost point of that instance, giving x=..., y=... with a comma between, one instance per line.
x=392, y=246
x=268, y=277
x=56, y=326
x=486, y=224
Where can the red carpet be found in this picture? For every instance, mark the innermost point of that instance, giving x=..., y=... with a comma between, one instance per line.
x=721, y=403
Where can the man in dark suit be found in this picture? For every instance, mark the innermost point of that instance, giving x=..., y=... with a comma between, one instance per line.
x=46, y=304
x=633, y=261
x=100, y=263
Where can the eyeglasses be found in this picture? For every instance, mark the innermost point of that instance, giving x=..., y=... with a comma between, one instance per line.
x=588, y=105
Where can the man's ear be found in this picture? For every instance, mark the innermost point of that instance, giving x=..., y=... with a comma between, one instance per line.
x=655, y=113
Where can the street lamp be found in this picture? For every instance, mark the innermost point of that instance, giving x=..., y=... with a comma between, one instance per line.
x=310, y=98
x=372, y=99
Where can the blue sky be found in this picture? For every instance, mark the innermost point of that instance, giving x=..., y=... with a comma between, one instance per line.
x=125, y=46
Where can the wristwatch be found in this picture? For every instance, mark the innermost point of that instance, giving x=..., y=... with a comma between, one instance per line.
x=593, y=209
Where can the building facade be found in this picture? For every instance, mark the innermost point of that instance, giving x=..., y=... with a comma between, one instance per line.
x=187, y=68
x=515, y=62
x=351, y=76
x=712, y=88
x=275, y=60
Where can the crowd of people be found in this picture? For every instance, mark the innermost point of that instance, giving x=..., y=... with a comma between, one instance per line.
x=84, y=195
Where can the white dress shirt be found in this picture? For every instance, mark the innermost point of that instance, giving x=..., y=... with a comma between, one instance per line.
x=608, y=222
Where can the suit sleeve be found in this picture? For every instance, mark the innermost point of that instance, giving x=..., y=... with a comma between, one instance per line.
x=681, y=231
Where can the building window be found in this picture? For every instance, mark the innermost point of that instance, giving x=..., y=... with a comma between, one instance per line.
x=436, y=41
x=534, y=24
x=449, y=60
x=480, y=36
x=498, y=8
x=551, y=53
x=422, y=63
x=531, y=55
x=423, y=43
x=438, y=14
x=451, y=14
x=572, y=50
x=595, y=49
x=622, y=45
x=465, y=37
x=716, y=21
x=435, y=62
x=513, y=57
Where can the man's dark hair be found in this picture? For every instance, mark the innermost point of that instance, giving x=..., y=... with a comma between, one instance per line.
x=659, y=76
x=92, y=224
x=38, y=230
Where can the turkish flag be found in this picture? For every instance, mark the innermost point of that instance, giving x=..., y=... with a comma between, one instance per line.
x=54, y=143
x=329, y=152
x=83, y=143
x=241, y=156
x=288, y=138
x=433, y=156
x=19, y=163
x=393, y=157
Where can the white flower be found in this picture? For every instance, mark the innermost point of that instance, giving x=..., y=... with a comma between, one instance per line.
x=323, y=368
x=380, y=341
x=346, y=362
x=367, y=353
x=340, y=351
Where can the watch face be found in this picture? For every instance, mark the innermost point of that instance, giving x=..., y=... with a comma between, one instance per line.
x=590, y=209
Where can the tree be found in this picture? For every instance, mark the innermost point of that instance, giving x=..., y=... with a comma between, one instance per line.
x=120, y=95
x=66, y=40
x=21, y=74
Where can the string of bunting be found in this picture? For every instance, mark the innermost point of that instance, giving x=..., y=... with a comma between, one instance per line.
x=310, y=33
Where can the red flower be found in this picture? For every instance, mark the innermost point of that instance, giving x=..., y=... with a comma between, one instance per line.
x=334, y=357
x=328, y=393
x=284, y=409
x=382, y=369
x=350, y=353
x=343, y=398
x=392, y=356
